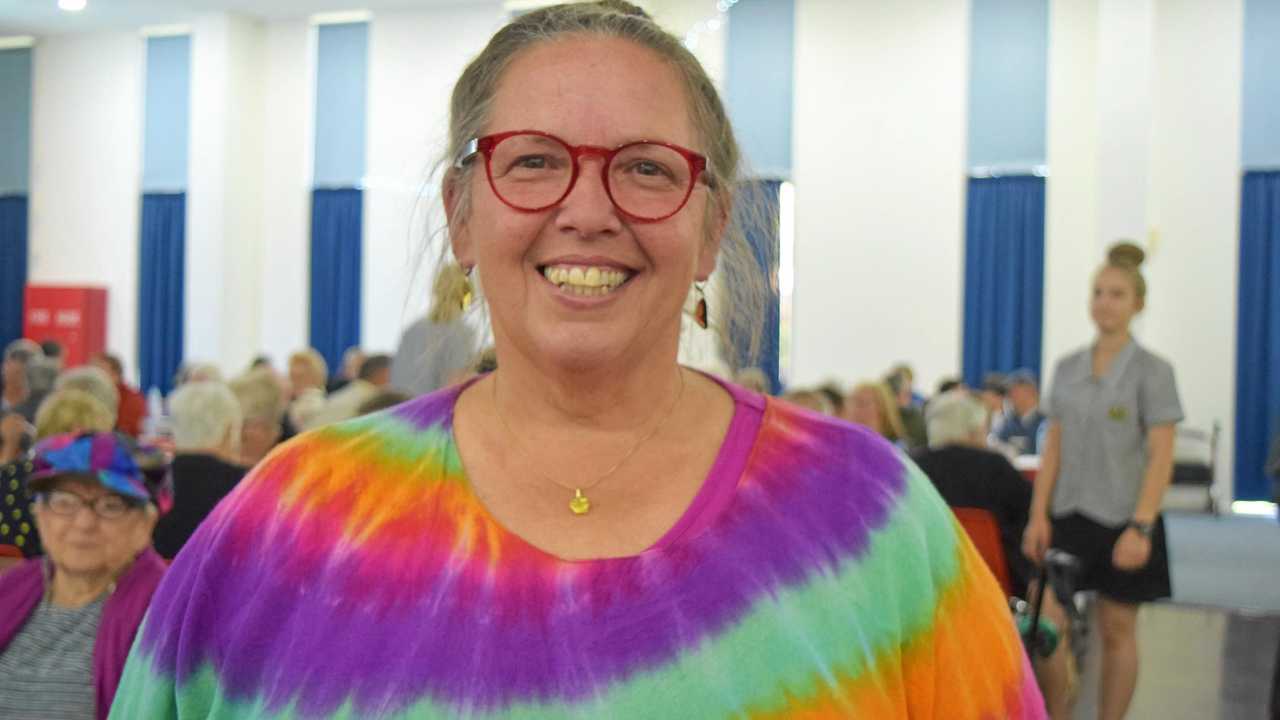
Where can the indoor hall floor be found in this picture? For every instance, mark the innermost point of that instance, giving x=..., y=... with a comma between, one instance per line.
x=1197, y=663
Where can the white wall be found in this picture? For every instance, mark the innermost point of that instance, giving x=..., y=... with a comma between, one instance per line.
x=414, y=59
x=286, y=161
x=224, y=207
x=1073, y=244
x=1194, y=207
x=86, y=166
x=880, y=133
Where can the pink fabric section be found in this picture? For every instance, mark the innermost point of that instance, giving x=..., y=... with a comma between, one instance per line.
x=717, y=490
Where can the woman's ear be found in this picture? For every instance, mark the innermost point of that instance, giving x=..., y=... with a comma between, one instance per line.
x=459, y=239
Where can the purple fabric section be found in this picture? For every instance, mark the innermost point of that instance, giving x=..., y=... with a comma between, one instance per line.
x=285, y=626
x=121, y=616
x=22, y=588
x=102, y=453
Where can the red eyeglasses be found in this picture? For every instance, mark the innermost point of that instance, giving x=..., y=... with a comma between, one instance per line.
x=532, y=171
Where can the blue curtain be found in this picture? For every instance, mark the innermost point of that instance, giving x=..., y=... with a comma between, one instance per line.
x=757, y=210
x=1003, y=276
x=161, y=283
x=13, y=265
x=1258, y=354
x=336, y=248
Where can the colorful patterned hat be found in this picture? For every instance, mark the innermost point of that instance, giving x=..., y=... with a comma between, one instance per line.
x=120, y=464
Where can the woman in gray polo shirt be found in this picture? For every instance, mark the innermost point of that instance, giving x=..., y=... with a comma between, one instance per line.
x=1107, y=461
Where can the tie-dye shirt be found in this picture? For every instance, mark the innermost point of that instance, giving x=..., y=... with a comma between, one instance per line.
x=355, y=574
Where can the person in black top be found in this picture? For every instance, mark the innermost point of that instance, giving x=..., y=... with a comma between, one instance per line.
x=969, y=475
x=206, y=431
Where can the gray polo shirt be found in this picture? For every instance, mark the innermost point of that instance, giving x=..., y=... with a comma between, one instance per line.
x=1104, y=422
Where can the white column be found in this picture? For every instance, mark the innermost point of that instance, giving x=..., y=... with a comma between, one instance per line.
x=1073, y=245
x=1123, y=74
x=1194, y=205
x=86, y=169
x=880, y=141
x=286, y=161
x=410, y=82
x=224, y=228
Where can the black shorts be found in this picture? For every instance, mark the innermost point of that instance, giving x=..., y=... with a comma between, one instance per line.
x=1093, y=544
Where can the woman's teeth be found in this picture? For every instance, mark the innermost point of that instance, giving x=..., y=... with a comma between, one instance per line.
x=587, y=281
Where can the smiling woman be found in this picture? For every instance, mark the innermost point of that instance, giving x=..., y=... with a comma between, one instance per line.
x=591, y=530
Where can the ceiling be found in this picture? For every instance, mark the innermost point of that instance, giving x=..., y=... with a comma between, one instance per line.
x=42, y=17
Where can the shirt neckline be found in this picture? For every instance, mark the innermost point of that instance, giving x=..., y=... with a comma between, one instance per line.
x=717, y=488
x=1118, y=365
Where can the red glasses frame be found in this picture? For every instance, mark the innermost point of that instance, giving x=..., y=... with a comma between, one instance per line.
x=485, y=145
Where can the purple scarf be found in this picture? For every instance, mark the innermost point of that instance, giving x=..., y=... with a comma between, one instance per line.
x=22, y=587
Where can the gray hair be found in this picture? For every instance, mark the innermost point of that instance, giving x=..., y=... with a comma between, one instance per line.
x=954, y=417
x=22, y=350
x=741, y=302
x=92, y=380
x=260, y=395
x=204, y=413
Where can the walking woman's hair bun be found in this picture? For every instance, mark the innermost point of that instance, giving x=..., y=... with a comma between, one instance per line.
x=1127, y=258
x=1125, y=253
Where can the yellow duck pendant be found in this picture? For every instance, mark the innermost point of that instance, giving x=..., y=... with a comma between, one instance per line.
x=580, y=505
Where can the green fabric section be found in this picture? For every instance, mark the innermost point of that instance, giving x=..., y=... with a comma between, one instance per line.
x=400, y=446
x=754, y=665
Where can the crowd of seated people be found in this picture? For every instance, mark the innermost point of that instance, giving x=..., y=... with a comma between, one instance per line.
x=73, y=592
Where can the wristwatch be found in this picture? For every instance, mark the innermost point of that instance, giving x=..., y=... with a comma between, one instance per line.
x=1144, y=528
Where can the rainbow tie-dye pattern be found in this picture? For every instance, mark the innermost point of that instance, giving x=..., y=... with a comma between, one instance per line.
x=355, y=575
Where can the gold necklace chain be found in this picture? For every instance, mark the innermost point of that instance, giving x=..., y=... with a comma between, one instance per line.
x=580, y=504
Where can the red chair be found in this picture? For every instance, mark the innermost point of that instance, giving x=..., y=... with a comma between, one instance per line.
x=983, y=530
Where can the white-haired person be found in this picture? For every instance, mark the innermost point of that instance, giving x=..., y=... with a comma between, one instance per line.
x=18, y=392
x=262, y=406
x=591, y=530
x=969, y=475
x=206, y=420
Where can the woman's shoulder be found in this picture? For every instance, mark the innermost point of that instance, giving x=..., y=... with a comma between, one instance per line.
x=373, y=456
x=1149, y=360
x=1079, y=357
x=847, y=472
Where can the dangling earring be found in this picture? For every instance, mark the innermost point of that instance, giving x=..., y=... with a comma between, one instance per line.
x=700, y=307
x=464, y=290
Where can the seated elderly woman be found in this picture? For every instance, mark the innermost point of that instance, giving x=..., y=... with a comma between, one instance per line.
x=262, y=407
x=18, y=393
x=206, y=436
x=968, y=475
x=591, y=530
x=67, y=410
x=67, y=620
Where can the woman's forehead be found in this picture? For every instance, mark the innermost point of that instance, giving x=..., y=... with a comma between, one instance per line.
x=593, y=90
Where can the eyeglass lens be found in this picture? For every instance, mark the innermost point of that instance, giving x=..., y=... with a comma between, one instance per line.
x=646, y=180
x=67, y=503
